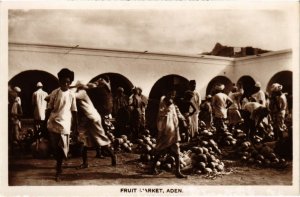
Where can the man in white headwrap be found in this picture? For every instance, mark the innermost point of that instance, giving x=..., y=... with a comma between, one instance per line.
x=220, y=103
x=40, y=105
x=259, y=95
x=278, y=107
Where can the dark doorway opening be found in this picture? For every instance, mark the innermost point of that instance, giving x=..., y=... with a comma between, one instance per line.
x=27, y=81
x=219, y=80
x=160, y=88
x=248, y=84
x=117, y=80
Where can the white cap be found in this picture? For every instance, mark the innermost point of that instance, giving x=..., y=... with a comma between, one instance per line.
x=39, y=84
x=258, y=84
x=220, y=87
x=17, y=89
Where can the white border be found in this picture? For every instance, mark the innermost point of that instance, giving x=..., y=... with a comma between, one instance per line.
x=5, y=190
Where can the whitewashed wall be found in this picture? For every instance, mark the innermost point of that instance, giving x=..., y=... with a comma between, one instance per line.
x=142, y=69
x=262, y=68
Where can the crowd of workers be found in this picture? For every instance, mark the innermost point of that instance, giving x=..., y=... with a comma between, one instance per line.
x=57, y=113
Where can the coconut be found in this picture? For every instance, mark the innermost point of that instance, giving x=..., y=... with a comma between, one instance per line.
x=140, y=141
x=227, y=133
x=233, y=142
x=212, y=165
x=119, y=140
x=125, y=145
x=267, y=162
x=245, y=153
x=198, y=172
x=211, y=158
x=244, y=158
x=153, y=140
x=276, y=160
x=129, y=149
x=147, y=139
x=227, y=143
x=204, y=143
x=220, y=168
x=251, y=160
x=201, y=165
x=168, y=166
x=205, y=150
x=210, y=134
x=229, y=138
x=205, y=131
x=259, y=162
x=148, y=148
x=148, y=157
x=272, y=156
x=202, y=157
x=260, y=157
x=124, y=137
x=207, y=170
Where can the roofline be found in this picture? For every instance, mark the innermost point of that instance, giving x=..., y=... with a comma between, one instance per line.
x=156, y=53
x=271, y=53
x=121, y=51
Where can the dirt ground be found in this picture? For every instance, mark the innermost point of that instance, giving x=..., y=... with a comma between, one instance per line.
x=26, y=171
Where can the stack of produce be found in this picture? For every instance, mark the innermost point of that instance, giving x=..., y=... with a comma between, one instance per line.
x=260, y=154
x=145, y=146
x=206, y=158
x=122, y=143
x=26, y=138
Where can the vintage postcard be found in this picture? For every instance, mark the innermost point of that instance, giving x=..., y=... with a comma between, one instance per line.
x=149, y=98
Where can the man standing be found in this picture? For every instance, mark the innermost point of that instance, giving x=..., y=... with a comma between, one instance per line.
x=40, y=105
x=196, y=100
x=168, y=137
x=15, y=114
x=278, y=107
x=220, y=103
x=259, y=95
x=61, y=115
x=121, y=112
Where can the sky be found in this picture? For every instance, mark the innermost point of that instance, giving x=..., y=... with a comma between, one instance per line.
x=183, y=31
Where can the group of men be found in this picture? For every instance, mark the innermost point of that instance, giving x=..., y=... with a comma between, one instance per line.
x=254, y=112
x=58, y=113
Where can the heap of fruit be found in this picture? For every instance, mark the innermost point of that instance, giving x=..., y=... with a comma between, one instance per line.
x=206, y=157
x=122, y=143
x=26, y=138
x=260, y=154
x=145, y=146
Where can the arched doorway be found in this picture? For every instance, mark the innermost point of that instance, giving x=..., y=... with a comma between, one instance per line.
x=27, y=81
x=219, y=80
x=98, y=97
x=248, y=84
x=160, y=88
x=117, y=80
x=285, y=78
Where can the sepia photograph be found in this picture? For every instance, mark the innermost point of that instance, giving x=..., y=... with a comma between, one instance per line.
x=150, y=99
